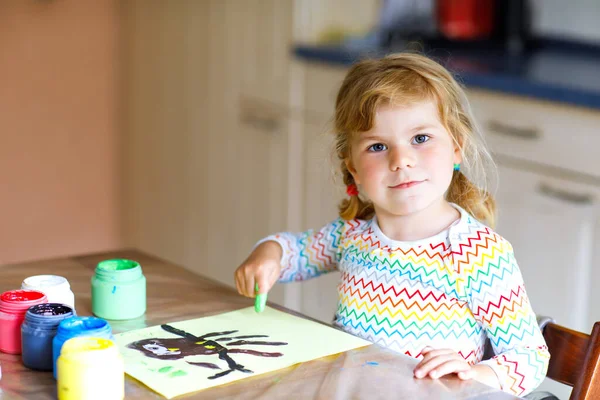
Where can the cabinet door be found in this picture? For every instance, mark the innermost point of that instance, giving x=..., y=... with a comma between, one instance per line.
x=156, y=160
x=246, y=192
x=550, y=224
x=322, y=193
x=264, y=41
x=260, y=180
x=239, y=161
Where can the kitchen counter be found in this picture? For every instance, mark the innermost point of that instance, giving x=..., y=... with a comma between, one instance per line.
x=175, y=294
x=554, y=71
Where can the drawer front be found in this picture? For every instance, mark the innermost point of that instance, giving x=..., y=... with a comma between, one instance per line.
x=545, y=133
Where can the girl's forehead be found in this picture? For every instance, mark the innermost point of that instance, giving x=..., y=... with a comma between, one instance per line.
x=406, y=116
x=420, y=109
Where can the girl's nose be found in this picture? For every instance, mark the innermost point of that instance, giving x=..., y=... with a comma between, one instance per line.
x=401, y=158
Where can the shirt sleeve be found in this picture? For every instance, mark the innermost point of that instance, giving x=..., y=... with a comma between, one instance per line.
x=309, y=254
x=499, y=301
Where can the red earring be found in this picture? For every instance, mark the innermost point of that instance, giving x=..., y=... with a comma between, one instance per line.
x=351, y=190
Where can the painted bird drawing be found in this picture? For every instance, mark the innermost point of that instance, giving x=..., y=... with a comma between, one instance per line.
x=191, y=345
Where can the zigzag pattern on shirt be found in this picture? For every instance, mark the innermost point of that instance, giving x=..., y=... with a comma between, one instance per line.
x=349, y=285
x=404, y=331
x=427, y=271
x=450, y=293
x=538, y=361
x=409, y=324
x=498, y=307
x=515, y=374
x=416, y=312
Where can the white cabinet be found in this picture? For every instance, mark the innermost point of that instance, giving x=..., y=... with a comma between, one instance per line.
x=155, y=159
x=550, y=223
x=544, y=133
x=547, y=197
x=260, y=181
x=205, y=161
x=262, y=35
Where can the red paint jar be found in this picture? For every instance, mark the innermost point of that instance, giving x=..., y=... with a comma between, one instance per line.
x=13, y=306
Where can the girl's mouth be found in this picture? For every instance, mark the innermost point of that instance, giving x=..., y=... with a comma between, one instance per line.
x=406, y=185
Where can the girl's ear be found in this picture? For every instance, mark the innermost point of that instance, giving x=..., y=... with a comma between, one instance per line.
x=457, y=150
x=352, y=170
x=457, y=155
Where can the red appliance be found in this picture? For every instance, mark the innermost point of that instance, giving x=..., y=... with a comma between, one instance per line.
x=466, y=19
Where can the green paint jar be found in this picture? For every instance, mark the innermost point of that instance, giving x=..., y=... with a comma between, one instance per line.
x=118, y=290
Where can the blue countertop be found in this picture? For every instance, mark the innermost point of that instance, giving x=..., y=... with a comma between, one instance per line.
x=553, y=71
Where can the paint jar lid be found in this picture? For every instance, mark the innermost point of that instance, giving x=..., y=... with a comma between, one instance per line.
x=88, y=349
x=45, y=283
x=83, y=326
x=47, y=315
x=118, y=270
x=56, y=288
x=18, y=301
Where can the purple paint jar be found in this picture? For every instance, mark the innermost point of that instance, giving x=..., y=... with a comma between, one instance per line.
x=38, y=331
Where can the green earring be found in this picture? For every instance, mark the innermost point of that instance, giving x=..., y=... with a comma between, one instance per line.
x=457, y=167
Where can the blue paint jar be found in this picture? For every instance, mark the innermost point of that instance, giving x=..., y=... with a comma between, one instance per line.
x=38, y=331
x=75, y=327
x=118, y=290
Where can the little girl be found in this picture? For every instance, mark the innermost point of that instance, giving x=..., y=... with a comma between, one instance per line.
x=421, y=271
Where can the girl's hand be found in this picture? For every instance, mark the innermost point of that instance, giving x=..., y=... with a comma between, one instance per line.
x=262, y=266
x=441, y=362
x=437, y=363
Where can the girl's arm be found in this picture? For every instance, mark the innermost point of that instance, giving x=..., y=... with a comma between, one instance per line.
x=309, y=254
x=499, y=301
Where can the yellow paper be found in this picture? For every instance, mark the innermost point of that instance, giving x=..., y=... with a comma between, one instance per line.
x=173, y=364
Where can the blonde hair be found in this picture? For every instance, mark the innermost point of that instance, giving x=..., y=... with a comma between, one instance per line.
x=402, y=79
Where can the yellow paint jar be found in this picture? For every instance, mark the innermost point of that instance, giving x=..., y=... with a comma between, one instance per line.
x=90, y=368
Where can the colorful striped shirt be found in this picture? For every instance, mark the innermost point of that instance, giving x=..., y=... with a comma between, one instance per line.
x=453, y=290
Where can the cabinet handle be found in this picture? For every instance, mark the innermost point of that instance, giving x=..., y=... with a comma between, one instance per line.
x=262, y=123
x=500, y=128
x=563, y=195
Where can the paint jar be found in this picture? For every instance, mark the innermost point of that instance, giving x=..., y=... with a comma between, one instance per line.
x=118, y=290
x=38, y=331
x=76, y=327
x=56, y=288
x=13, y=306
x=90, y=368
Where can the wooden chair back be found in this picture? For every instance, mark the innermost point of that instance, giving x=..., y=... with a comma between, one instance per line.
x=575, y=359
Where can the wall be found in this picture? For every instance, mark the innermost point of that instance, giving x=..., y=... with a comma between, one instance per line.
x=58, y=128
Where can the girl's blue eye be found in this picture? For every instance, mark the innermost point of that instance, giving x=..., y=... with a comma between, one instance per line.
x=377, y=147
x=419, y=139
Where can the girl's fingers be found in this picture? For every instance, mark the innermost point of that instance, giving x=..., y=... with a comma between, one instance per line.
x=238, y=283
x=266, y=277
x=261, y=285
x=426, y=366
x=430, y=363
x=273, y=277
x=249, y=274
x=432, y=353
x=449, y=367
x=249, y=285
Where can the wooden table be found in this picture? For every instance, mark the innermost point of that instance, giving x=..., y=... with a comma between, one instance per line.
x=176, y=294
